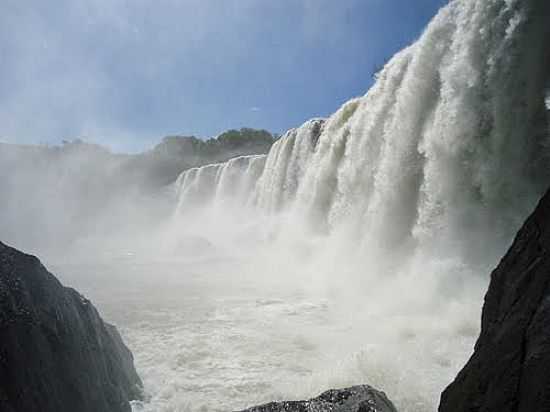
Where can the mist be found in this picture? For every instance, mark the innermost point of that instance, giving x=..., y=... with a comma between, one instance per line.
x=59, y=200
x=352, y=248
x=80, y=200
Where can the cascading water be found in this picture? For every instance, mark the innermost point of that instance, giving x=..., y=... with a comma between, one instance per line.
x=286, y=164
x=234, y=179
x=211, y=204
x=404, y=198
x=447, y=143
x=446, y=149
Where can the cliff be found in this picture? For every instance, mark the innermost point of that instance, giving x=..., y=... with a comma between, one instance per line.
x=508, y=371
x=56, y=353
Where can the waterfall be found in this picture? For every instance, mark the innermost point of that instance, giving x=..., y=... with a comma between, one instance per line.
x=402, y=200
x=233, y=181
x=446, y=153
x=448, y=141
x=448, y=148
x=286, y=164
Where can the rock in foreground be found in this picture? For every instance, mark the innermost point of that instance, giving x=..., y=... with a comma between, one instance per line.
x=56, y=353
x=355, y=399
x=509, y=370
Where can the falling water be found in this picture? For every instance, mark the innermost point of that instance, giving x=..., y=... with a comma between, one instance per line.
x=402, y=200
x=449, y=144
x=234, y=179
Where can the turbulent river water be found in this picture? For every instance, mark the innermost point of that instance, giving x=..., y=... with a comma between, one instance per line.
x=204, y=341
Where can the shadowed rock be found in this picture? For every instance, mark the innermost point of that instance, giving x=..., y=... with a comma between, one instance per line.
x=510, y=368
x=355, y=399
x=56, y=353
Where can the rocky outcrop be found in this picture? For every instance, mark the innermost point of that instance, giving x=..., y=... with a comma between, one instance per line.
x=56, y=353
x=355, y=399
x=509, y=370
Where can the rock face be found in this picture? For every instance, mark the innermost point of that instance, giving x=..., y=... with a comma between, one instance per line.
x=56, y=353
x=509, y=370
x=355, y=399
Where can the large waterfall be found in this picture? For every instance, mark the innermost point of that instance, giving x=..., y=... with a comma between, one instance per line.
x=404, y=198
x=450, y=144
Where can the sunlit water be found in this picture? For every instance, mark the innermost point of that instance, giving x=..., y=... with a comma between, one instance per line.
x=204, y=341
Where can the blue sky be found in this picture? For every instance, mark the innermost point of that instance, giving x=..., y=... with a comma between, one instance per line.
x=124, y=73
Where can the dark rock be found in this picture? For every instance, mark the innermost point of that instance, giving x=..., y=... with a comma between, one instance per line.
x=510, y=368
x=56, y=353
x=355, y=399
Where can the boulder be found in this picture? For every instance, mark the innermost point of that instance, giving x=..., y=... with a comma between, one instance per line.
x=355, y=399
x=56, y=353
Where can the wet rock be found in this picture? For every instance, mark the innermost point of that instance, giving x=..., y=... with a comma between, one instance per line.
x=509, y=370
x=56, y=353
x=355, y=399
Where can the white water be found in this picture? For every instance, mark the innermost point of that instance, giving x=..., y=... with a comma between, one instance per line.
x=286, y=164
x=231, y=181
x=447, y=150
x=358, y=250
